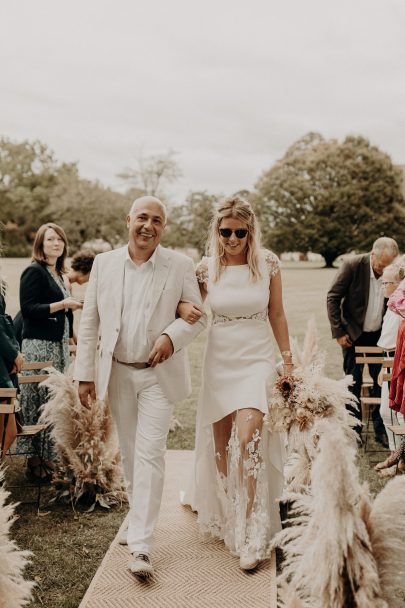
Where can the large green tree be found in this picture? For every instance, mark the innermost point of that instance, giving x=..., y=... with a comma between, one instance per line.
x=330, y=197
x=87, y=210
x=28, y=172
x=35, y=188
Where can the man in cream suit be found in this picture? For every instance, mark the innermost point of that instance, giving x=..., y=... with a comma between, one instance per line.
x=130, y=308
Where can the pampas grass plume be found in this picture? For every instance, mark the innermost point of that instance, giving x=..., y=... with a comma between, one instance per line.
x=386, y=530
x=329, y=560
x=85, y=439
x=15, y=591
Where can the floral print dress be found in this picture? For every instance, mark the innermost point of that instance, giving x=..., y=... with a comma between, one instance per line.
x=32, y=396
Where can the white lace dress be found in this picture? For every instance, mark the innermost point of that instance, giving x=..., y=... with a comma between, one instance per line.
x=238, y=367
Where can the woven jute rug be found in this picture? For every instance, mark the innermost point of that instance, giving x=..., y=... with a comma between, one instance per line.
x=190, y=571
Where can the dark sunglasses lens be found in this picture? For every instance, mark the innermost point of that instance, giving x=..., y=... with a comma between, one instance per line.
x=225, y=232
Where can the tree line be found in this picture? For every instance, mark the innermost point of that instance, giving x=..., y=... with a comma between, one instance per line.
x=324, y=196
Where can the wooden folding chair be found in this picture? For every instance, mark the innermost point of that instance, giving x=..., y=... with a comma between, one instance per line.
x=33, y=430
x=368, y=355
x=33, y=366
x=8, y=431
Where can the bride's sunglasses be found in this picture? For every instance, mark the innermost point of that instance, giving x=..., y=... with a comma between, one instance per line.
x=240, y=233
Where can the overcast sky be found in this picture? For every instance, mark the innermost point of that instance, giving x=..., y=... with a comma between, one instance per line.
x=228, y=84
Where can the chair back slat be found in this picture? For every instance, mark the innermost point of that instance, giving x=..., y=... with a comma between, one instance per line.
x=8, y=393
x=387, y=377
x=31, y=430
x=388, y=362
x=370, y=400
x=397, y=429
x=32, y=365
x=368, y=349
x=32, y=379
x=7, y=400
x=369, y=360
x=7, y=408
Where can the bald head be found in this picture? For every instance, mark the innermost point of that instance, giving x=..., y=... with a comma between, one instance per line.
x=146, y=222
x=140, y=202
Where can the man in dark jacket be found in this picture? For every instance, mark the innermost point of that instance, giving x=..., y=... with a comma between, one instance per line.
x=356, y=308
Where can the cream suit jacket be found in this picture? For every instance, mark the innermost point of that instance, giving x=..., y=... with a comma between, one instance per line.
x=173, y=280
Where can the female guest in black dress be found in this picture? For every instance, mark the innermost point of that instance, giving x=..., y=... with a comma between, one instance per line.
x=46, y=307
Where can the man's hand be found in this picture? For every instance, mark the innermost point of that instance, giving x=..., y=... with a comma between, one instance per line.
x=344, y=341
x=87, y=393
x=162, y=350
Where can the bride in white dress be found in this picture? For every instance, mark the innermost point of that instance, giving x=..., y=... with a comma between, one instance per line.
x=238, y=468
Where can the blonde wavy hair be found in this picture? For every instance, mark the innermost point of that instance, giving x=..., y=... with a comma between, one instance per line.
x=239, y=209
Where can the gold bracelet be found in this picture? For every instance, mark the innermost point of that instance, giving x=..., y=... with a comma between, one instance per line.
x=286, y=353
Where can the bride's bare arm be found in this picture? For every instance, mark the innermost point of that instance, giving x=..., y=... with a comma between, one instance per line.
x=278, y=321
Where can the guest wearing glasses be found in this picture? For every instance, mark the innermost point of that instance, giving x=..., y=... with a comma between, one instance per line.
x=391, y=278
x=238, y=472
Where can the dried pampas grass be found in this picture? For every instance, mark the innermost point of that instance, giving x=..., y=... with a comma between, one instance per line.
x=342, y=549
x=386, y=529
x=86, y=444
x=297, y=404
x=15, y=591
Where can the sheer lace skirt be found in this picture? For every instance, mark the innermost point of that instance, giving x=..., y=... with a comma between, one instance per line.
x=239, y=507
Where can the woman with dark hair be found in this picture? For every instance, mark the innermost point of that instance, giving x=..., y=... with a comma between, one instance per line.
x=47, y=310
x=238, y=473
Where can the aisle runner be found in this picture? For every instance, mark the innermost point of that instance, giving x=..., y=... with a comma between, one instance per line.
x=190, y=572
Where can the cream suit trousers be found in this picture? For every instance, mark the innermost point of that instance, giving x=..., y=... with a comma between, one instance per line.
x=142, y=415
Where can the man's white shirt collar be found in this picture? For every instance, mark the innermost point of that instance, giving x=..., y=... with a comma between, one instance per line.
x=152, y=259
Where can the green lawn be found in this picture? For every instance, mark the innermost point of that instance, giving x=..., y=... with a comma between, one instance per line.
x=68, y=546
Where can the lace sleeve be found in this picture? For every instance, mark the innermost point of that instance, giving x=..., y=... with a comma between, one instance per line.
x=272, y=262
x=201, y=271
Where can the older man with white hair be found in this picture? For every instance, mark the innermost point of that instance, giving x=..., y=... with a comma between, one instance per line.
x=130, y=306
x=356, y=307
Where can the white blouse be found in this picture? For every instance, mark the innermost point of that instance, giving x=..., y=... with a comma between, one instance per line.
x=389, y=330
